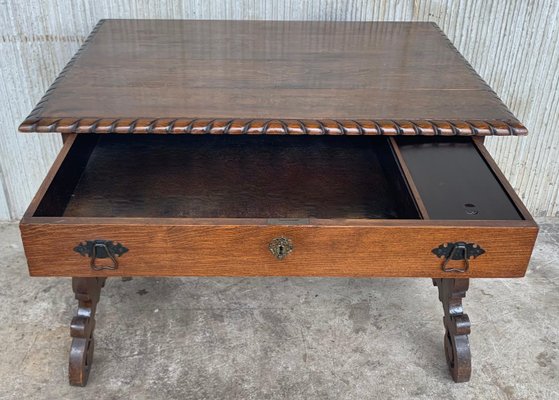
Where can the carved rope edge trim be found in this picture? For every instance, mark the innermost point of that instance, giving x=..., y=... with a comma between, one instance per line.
x=40, y=105
x=472, y=70
x=234, y=126
x=35, y=123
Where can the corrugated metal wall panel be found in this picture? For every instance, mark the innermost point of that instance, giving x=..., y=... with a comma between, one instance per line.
x=512, y=44
x=4, y=209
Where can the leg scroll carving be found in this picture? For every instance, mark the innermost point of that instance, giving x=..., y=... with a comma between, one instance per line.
x=87, y=291
x=457, y=325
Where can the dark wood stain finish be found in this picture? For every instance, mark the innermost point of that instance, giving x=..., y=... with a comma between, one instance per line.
x=237, y=177
x=87, y=292
x=273, y=96
x=263, y=77
x=457, y=327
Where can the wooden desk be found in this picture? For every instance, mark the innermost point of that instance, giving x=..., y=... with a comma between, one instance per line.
x=229, y=148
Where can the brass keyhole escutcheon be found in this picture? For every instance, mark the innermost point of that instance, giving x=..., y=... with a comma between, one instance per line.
x=280, y=247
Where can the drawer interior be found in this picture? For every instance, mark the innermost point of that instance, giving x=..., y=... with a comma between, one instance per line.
x=455, y=181
x=212, y=205
x=221, y=176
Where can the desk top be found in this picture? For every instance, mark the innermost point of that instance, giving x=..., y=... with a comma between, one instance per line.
x=263, y=77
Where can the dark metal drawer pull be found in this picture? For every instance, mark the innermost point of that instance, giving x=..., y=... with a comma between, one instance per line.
x=96, y=249
x=457, y=251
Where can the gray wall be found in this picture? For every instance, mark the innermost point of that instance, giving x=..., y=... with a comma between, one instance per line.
x=512, y=44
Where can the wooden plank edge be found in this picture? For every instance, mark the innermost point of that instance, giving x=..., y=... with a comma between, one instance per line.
x=68, y=142
x=409, y=179
x=28, y=125
x=504, y=181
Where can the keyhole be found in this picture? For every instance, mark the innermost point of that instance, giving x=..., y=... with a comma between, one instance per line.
x=280, y=247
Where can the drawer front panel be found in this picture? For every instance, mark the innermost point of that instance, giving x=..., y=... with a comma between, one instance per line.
x=244, y=250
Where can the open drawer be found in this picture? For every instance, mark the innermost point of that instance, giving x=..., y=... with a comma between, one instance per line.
x=230, y=205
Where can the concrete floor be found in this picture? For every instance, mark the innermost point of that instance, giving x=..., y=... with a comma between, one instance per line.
x=280, y=338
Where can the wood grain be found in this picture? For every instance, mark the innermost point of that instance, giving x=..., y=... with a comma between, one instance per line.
x=234, y=177
x=492, y=38
x=239, y=246
x=230, y=77
x=405, y=172
x=457, y=327
x=87, y=291
x=402, y=250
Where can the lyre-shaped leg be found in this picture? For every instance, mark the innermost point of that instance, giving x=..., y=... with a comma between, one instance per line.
x=87, y=292
x=457, y=325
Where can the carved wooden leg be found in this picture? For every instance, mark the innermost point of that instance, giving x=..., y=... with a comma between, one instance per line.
x=87, y=292
x=457, y=325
